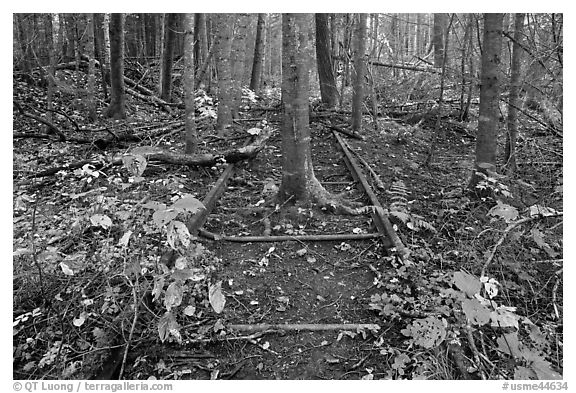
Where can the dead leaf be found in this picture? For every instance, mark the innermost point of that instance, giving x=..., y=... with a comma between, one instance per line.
x=216, y=297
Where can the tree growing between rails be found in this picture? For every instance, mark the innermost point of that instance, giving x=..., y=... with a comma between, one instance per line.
x=299, y=183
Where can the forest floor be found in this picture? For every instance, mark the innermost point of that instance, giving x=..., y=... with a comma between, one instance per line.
x=88, y=258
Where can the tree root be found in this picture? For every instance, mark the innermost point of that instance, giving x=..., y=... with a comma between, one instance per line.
x=333, y=203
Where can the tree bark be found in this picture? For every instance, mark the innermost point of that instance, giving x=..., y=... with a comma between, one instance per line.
x=91, y=98
x=259, y=48
x=359, y=71
x=440, y=24
x=489, y=98
x=200, y=43
x=328, y=89
x=117, y=107
x=50, y=34
x=70, y=23
x=512, y=121
x=167, y=57
x=188, y=81
x=238, y=57
x=223, y=48
x=297, y=171
x=299, y=183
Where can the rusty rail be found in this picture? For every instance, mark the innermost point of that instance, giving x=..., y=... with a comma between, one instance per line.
x=383, y=224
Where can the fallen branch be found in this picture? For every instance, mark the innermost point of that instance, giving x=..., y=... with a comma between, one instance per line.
x=285, y=238
x=506, y=231
x=306, y=326
x=51, y=126
x=403, y=67
x=343, y=131
x=192, y=160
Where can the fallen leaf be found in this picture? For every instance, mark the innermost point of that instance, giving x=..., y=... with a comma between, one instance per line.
x=216, y=297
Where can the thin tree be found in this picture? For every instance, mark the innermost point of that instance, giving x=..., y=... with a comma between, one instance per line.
x=50, y=35
x=440, y=24
x=328, y=89
x=91, y=98
x=359, y=71
x=512, y=121
x=238, y=57
x=200, y=42
x=188, y=81
x=259, y=48
x=437, y=127
x=299, y=183
x=223, y=49
x=117, y=107
x=167, y=57
x=485, y=161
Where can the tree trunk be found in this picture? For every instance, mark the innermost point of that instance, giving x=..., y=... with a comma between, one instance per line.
x=223, y=48
x=489, y=98
x=167, y=57
x=188, y=82
x=117, y=109
x=143, y=52
x=297, y=171
x=512, y=121
x=328, y=89
x=91, y=98
x=50, y=34
x=238, y=57
x=359, y=72
x=440, y=23
x=299, y=183
x=70, y=23
x=200, y=42
x=259, y=50
x=22, y=42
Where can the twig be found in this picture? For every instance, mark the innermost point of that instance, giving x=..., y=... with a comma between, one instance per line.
x=474, y=351
x=134, y=286
x=506, y=231
x=554, y=291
